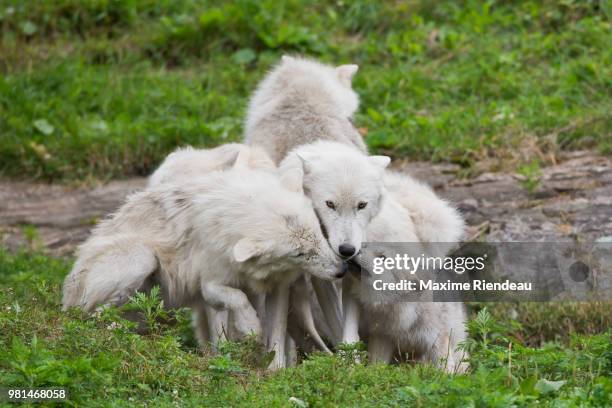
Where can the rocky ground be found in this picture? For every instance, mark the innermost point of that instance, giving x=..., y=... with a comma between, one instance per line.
x=573, y=202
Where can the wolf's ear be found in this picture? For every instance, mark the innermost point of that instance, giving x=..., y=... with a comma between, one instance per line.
x=232, y=160
x=293, y=179
x=306, y=165
x=245, y=249
x=242, y=160
x=346, y=72
x=380, y=161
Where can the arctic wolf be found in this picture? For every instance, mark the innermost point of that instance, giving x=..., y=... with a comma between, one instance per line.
x=205, y=242
x=425, y=330
x=346, y=190
x=186, y=163
x=302, y=101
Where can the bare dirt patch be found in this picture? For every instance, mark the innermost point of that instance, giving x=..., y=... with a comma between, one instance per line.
x=573, y=202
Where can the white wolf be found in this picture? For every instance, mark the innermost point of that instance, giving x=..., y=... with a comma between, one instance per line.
x=346, y=189
x=206, y=241
x=301, y=101
x=186, y=163
x=424, y=330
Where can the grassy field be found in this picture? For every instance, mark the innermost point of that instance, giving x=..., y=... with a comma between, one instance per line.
x=104, y=363
x=106, y=88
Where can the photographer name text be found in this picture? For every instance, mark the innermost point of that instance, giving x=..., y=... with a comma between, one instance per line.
x=430, y=285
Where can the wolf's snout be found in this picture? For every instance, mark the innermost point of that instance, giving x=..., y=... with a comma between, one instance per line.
x=342, y=269
x=347, y=250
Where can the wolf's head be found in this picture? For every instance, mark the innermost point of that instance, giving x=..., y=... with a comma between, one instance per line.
x=281, y=232
x=346, y=188
x=307, y=77
x=326, y=87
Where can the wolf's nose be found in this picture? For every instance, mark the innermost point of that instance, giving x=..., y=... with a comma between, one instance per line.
x=346, y=250
x=342, y=270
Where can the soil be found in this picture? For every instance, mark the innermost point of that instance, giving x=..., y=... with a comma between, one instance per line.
x=573, y=201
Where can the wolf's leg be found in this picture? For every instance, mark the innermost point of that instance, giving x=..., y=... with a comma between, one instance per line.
x=380, y=349
x=291, y=351
x=277, y=307
x=444, y=353
x=350, y=332
x=217, y=325
x=200, y=323
x=225, y=297
x=440, y=353
x=258, y=301
x=329, y=299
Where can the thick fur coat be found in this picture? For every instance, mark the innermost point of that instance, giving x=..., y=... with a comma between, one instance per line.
x=206, y=240
x=426, y=331
x=187, y=162
x=300, y=105
x=299, y=102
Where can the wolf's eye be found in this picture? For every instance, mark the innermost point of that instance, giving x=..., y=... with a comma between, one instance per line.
x=362, y=205
x=330, y=204
x=299, y=254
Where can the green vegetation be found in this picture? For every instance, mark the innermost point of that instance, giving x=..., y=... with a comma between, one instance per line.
x=106, y=88
x=531, y=173
x=103, y=362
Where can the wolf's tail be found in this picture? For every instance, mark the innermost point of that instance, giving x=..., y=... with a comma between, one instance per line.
x=300, y=301
x=329, y=299
x=108, y=271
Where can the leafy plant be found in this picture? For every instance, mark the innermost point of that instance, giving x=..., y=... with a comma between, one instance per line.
x=224, y=364
x=532, y=174
x=150, y=307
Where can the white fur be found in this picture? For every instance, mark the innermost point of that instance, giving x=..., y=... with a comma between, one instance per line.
x=187, y=162
x=301, y=101
x=210, y=239
x=426, y=330
x=343, y=177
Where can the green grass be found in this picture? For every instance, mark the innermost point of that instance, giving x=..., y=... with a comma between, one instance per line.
x=103, y=362
x=106, y=88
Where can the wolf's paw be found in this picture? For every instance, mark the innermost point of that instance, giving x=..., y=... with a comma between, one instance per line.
x=453, y=366
x=458, y=368
x=277, y=363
